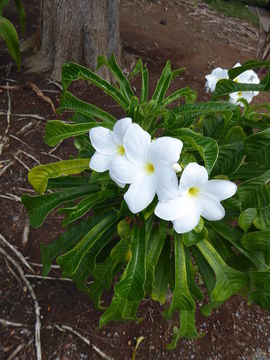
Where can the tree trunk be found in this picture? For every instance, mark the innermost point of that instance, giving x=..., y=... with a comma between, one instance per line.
x=77, y=31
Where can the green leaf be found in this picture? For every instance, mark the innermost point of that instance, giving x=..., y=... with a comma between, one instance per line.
x=139, y=67
x=163, y=83
x=120, y=309
x=21, y=13
x=162, y=274
x=246, y=218
x=89, y=247
x=207, y=147
x=131, y=284
x=228, y=280
x=71, y=102
x=154, y=248
x=10, y=36
x=72, y=72
x=57, y=131
x=234, y=72
x=234, y=237
x=67, y=182
x=257, y=147
x=260, y=285
x=85, y=205
x=65, y=241
x=3, y=3
x=229, y=160
x=226, y=87
x=256, y=240
x=262, y=218
x=40, y=206
x=111, y=63
x=235, y=135
x=254, y=192
x=182, y=299
x=189, y=94
x=187, y=328
x=192, y=237
x=39, y=175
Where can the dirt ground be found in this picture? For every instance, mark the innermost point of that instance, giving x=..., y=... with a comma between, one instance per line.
x=189, y=35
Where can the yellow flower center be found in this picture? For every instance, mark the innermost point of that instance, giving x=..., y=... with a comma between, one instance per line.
x=236, y=80
x=193, y=191
x=120, y=150
x=149, y=168
x=240, y=93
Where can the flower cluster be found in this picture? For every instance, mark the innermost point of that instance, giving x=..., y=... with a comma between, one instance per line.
x=247, y=77
x=150, y=167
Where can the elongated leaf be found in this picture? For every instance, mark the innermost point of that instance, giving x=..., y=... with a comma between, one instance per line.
x=254, y=192
x=57, y=131
x=262, y=218
x=154, y=248
x=187, y=328
x=111, y=63
x=86, y=205
x=139, y=67
x=234, y=237
x=120, y=309
x=71, y=102
x=39, y=175
x=72, y=72
x=21, y=13
x=229, y=159
x=3, y=3
x=65, y=241
x=257, y=147
x=233, y=73
x=256, y=240
x=163, y=83
x=207, y=147
x=182, y=299
x=226, y=87
x=189, y=94
x=89, y=246
x=67, y=182
x=228, y=280
x=9, y=34
x=40, y=206
x=248, y=171
x=162, y=274
x=260, y=285
x=131, y=284
x=246, y=218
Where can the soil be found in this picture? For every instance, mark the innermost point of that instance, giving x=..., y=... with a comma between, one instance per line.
x=189, y=35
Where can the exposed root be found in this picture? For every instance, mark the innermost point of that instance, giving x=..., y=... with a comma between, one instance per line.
x=34, y=298
x=16, y=252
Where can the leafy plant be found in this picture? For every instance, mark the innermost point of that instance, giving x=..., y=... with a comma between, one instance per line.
x=9, y=33
x=142, y=252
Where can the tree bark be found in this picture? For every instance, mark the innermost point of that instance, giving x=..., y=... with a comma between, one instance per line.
x=77, y=31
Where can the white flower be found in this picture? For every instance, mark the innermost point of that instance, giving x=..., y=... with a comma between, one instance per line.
x=147, y=166
x=197, y=196
x=108, y=145
x=246, y=77
x=212, y=79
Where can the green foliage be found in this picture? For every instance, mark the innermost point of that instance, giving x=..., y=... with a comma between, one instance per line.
x=8, y=32
x=141, y=254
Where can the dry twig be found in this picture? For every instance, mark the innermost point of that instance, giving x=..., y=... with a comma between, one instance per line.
x=11, y=323
x=18, y=349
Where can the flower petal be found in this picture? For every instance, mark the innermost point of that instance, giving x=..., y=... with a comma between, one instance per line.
x=164, y=149
x=216, y=75
x=140, y=194
x=193, y=175
x=220, y=189
x=121, y=185
x=123, y=171
x=189, y=218
x=167, y=182
x=136, y=143
x=171, y=209
x=102, y=140
x=100, y=162
x=120, y=129
x=211, y=209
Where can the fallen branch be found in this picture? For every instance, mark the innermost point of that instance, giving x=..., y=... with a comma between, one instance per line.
x=40, y=94
x=16, y=252
x=9, y=196
x=46, y=278
x=34, y=298
x=21, y=162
